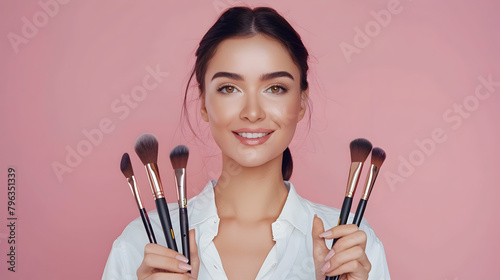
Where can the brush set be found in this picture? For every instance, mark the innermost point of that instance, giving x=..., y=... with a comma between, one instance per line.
x=360, y=149
x=146, y=147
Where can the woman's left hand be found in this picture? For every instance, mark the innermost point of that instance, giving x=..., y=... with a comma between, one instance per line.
x=347, y=257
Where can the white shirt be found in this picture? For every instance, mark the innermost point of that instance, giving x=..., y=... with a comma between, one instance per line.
x=290, y=258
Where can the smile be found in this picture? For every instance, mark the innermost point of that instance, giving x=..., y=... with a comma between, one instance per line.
x=253, y=138
x=252, y=135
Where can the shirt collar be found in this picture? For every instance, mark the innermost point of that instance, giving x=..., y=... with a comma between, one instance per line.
x=294, y=211
x=203, y=205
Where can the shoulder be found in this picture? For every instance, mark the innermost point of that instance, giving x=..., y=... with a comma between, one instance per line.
x=330, y=216
x=127, y=252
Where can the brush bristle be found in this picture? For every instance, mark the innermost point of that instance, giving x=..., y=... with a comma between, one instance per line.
x=126, y=166
x=146, y=147
x=179, y=157
x=360, y=149
x=378, y=156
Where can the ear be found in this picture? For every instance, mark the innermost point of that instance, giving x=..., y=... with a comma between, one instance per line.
x=203, y=110
x=304, y=97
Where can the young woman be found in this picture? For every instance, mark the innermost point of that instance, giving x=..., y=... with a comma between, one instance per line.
x=251, y=69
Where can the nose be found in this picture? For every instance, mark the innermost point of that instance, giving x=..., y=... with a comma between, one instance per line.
x=253, y=110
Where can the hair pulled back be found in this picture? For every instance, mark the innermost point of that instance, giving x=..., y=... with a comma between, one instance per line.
x=241, y=22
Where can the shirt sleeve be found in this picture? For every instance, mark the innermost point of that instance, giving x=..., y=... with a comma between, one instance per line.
x=126, y=254
x=114, y=265
x=376, y=255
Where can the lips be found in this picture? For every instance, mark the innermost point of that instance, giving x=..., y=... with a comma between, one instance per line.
x=252, y=137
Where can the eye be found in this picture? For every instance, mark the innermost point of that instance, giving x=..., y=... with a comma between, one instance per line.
x=276, y=89
x=227, y=89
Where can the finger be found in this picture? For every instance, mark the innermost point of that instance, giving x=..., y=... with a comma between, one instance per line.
x=337, y=264
x=168, y=276
x=158, y=258
x=353, y=269
x=357, y=238
x=156, y=249
x=339, y=231
x=162, y=263
x=319, y=246
x=318, y=227
x=320, y=250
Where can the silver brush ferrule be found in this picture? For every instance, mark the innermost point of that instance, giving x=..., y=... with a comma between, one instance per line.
x=370, y=181
x=154, y=180
x=180, y=181
x=135, y=191
x=353, y=179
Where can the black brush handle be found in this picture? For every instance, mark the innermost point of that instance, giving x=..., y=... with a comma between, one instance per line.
x=147, y=225
x=344, y=214
x=357, y=218
x=359, y=212
x=183, y=215
x=166, y=223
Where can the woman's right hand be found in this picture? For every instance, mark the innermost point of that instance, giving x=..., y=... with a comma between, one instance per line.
x=163, y=263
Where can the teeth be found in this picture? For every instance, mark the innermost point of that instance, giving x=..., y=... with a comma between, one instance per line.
x=252, y=135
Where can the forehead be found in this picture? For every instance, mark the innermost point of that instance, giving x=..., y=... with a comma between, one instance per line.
x=251, y=57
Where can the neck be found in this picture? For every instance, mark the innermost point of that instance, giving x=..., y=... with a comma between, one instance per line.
x=250, y=193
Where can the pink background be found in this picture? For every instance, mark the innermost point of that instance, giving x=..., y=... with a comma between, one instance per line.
x=402, y=87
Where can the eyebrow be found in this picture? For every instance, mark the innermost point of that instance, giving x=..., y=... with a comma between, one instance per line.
x=233, y=76
x=264, y=77
x=278, y=74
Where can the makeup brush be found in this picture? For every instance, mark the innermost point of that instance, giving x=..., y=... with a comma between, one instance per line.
x=126, y=168
x=360, y=149
x=146, y=147
x=179, y=157
x=378, y=157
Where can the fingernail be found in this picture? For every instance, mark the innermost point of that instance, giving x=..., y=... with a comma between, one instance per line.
x=181, y=258
x=185, y=266
x=325, y=267
x=329, y=255
x=326, y=234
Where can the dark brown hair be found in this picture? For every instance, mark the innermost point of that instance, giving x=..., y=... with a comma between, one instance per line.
x=244, y=21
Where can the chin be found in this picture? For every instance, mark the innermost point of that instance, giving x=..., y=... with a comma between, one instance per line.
x=253, y=158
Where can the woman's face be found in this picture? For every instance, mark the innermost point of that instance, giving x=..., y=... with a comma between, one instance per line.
x=252, y=99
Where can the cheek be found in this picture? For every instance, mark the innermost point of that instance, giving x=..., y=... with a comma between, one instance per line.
x=219, y=111
x=286, y=113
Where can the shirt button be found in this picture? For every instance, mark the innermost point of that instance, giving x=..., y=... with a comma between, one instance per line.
x=278, y=226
